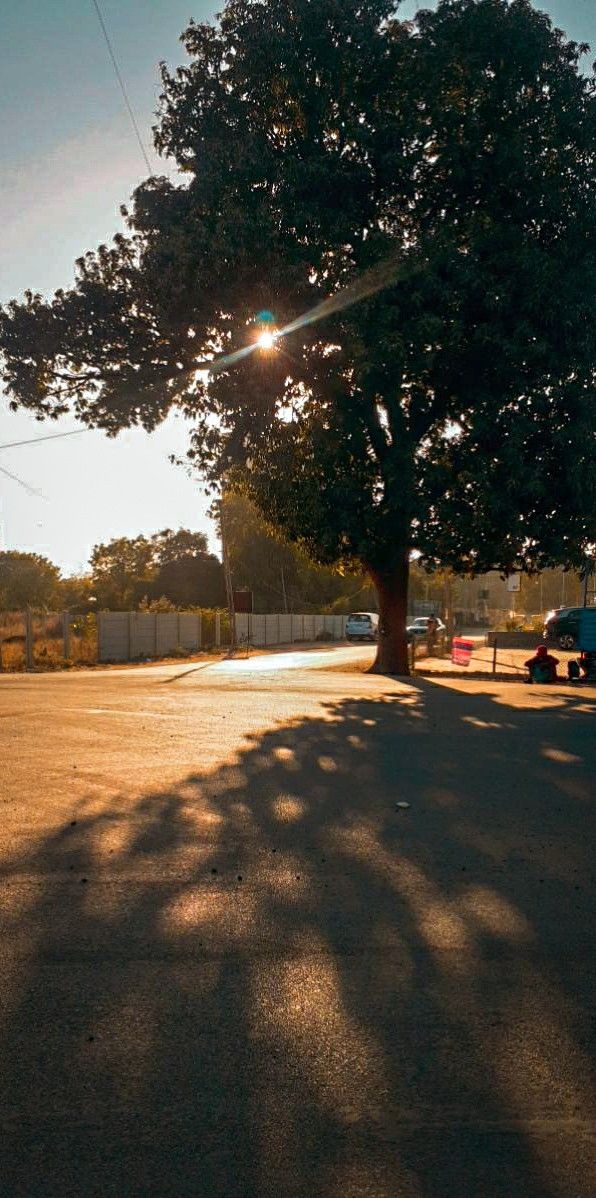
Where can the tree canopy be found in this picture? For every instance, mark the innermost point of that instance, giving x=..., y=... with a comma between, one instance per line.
x=175, y=565
x=27, y=580
x=280, y=574
x=452, y=411
x=192, y=580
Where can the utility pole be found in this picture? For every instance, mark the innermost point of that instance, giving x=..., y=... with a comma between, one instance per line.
x=283, y=590
x=587, y=577
x=227, y=576
x=448, y=601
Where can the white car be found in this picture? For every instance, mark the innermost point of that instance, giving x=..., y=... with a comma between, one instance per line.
x=362, y=626
x=419, y=628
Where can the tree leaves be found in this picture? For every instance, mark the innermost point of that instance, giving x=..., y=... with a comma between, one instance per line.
x=127, y=568
x=452, y=411
x=27, y=580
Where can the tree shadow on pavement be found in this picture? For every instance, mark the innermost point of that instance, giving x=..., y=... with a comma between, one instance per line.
x=274, y=980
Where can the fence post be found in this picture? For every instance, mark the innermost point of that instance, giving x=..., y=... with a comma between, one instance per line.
x=130, y=627
x=199, y=631
x=494, y=654
x=66, y=635
x=217, y=629
x=29, y=659
x=413, y=655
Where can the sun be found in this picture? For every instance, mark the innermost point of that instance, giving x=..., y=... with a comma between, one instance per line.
x=266, y=340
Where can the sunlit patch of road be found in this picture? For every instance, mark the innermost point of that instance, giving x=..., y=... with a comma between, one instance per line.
x=310, y=659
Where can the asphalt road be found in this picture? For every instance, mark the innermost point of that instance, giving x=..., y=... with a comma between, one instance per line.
x=232, y=967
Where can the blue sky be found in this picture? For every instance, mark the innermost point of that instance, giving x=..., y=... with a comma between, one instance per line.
x=68, y=159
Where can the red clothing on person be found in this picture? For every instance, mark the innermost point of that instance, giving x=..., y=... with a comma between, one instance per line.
x=543, y=665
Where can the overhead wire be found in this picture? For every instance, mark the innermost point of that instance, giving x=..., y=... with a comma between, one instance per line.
x=34, y=441
x=15, y=478
x=76, y=432
x=118, y=74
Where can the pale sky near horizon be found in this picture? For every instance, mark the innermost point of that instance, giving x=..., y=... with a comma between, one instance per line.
x=68, y=160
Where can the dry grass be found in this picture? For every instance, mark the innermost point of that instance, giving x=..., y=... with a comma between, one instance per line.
x=48, y=642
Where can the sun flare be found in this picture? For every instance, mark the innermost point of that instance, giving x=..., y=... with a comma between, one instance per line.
x=266, y=340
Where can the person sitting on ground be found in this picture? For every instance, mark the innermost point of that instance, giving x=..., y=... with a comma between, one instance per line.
x=584, y=669
x=542, y=666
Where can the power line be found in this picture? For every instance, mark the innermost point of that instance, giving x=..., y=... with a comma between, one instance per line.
x=122, y=85
x=51, y=437
x=26, y=487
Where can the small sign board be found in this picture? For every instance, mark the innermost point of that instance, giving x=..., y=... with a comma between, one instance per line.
x=513, y=582
x=587, y=629
x=243, y=603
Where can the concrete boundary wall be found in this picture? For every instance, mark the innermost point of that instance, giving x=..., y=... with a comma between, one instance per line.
x=281, y=629
x=130, y=636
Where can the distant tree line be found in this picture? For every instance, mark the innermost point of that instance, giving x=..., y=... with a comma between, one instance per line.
x=175, y=570
x=177, y=566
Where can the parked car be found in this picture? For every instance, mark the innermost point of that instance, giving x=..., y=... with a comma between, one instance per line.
x=419, y=628
x=561, y=627
x=362, y=626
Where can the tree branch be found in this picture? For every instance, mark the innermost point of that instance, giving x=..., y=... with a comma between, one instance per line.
x=376, y=432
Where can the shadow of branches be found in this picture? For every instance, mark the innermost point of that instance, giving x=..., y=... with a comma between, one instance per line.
x=271, y=979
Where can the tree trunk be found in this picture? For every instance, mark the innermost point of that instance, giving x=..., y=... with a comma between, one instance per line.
x=391, y=586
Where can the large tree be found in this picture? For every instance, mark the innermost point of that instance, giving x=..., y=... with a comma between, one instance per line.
x=448, y=162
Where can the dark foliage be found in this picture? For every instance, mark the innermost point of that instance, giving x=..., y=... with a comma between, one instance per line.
x=452, y=412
